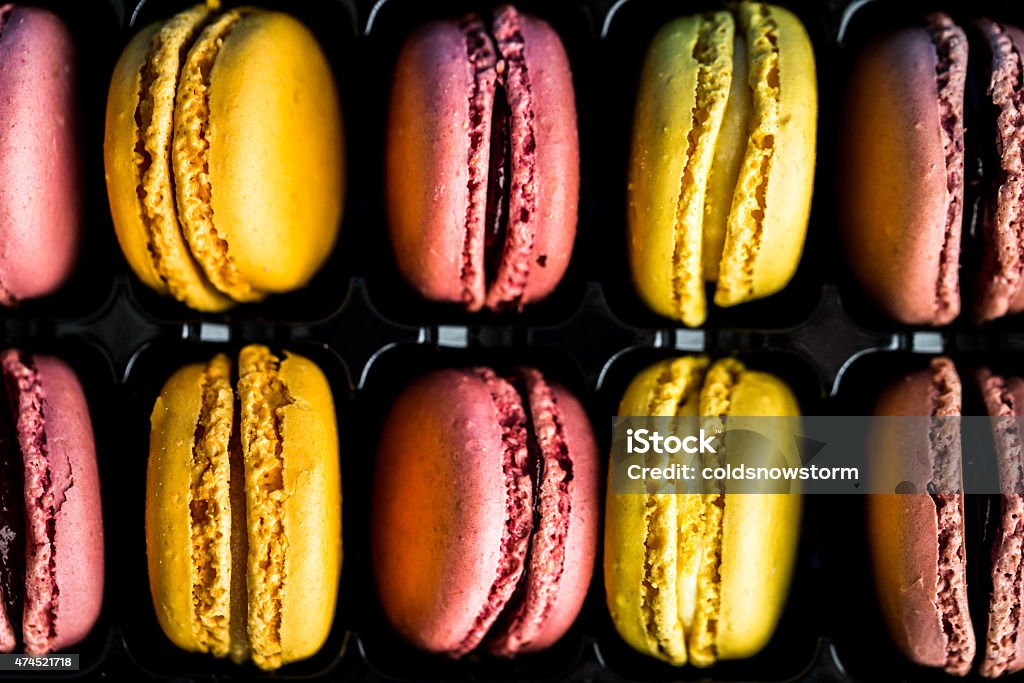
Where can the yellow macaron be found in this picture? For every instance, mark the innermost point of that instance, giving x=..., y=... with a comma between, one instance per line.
x=243, y=508
x=224, y=155
x=700, y=577
x=722, y=161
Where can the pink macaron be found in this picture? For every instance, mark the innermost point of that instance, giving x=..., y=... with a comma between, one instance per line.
x=483, y=160
x=51, y=520
x=485, y=511
x=40, y=194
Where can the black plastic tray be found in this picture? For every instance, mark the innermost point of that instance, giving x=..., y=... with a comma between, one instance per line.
x=371, y=334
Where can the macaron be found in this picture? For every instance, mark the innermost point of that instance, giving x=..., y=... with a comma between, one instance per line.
x=243, y=508
x=917, y=541
x=906, y=162
x=485, y=512
x=483, y=160
x=224, y=155
x=700, y=578
x=721, y=168
x=40, y=175
x=51, y=519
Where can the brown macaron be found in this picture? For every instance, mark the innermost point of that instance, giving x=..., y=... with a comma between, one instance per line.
x=907, y=162
x=917, y=540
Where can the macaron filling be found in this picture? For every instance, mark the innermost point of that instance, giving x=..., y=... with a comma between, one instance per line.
x=44, y=493
x=951, y=581
x=1004, y=620
x=502, y=158
x=1003, y=263
x=950, y=76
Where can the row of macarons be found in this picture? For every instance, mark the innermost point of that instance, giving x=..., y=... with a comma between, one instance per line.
x=225, y=161
x=485, y=516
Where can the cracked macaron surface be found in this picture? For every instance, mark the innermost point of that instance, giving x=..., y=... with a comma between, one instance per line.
x=51, y=508
x=243, y=508
x=483, y=160
x=678, y=581
x=722, y=161
x=484, y=512
x=1001, y=272
x=224, y=185
x=1004, y=639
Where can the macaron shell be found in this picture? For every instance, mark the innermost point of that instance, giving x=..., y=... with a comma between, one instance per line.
x=759, y=533
x=293, y=504
x=904, y=529
x=120, y=135
x=276, y=151
x=662, y=123
x=893, y=190
x=1004, y=646
x=729, y=154
x=312, y=520
x=660, y=389
x=438, y=522
x=557, y=169
x=78, y=521
x=168, y=522
x=40, y=202
x=771, y=206
x=427, y=148
x=147, y=226
x=1002, y=267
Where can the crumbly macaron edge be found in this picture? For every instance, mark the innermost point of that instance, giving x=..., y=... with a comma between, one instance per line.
x=665, y=603
x=1004, y=618
x=712, y=57
x=157, y=84
x=189, y=156
x=553, y=498
x=951, y=593
x=210, y=510
x=747, y=214
x=262, y=395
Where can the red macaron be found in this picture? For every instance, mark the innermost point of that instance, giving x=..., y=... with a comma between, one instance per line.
x=40, y=192
x=483, y=160
x=485, y=512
